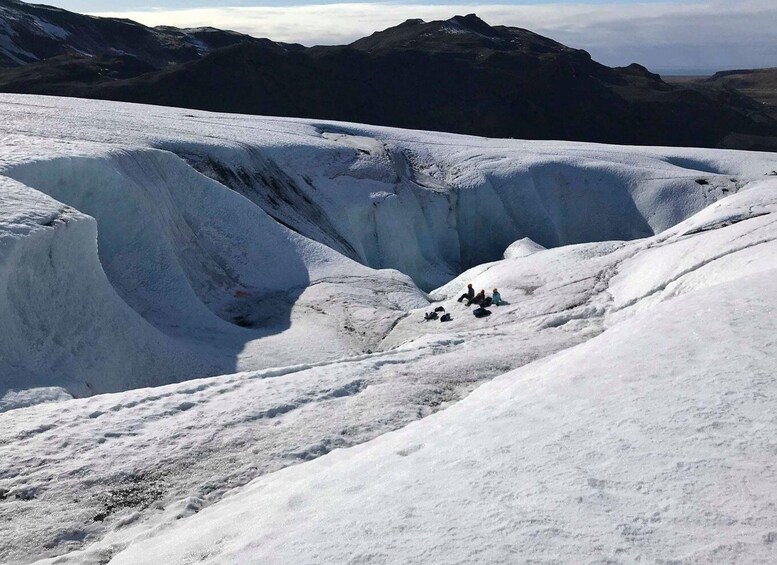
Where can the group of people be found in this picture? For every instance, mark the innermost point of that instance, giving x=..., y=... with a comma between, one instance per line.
x=480, y=298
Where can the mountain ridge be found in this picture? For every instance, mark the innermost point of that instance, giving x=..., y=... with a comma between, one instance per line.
x=33, y=33
x=460, y=75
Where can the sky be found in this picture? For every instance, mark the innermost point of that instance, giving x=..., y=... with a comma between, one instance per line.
x=703, y=35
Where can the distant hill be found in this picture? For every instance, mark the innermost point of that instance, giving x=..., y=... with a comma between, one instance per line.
x=459, y=75
x=31, y=33
x=759, y=84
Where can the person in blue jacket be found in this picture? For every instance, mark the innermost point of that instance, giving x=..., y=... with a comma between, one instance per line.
x=496, y=298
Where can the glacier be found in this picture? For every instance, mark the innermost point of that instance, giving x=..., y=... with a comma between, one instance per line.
x=214, y=348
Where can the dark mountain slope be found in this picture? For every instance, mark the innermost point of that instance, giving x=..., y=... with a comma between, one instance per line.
x=459, y=75
x=463, y=34
x=31, y=33
x=63, y=73
x=759, y=84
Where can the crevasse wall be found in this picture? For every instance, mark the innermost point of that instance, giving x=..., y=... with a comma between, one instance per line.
x=178, y=278
x=154, y=301
x=432, y=214
x=64, y=325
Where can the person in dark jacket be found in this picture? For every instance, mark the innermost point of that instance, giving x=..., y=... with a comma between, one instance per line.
x=469, y=295
x=479, y=298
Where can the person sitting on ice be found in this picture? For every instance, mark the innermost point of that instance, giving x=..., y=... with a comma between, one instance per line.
x=469, y=295
x=496, y=298
x=479, y=298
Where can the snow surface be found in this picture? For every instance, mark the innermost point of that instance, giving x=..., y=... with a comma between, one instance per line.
x=632, y=412
x=522, y=248
x=601, y=453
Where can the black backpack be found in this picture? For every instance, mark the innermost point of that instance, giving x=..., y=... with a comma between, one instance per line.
x=481, y=312
x=446, y=318
x=430, y=316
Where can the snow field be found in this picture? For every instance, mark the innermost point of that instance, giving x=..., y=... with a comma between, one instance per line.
x=141, y=246
x=118, y=465
x=556, y=301
x=652, y=442
x=233, y=290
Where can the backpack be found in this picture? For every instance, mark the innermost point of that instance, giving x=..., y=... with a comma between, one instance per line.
x=439, y=309
x=430, y=316
x=446, y=318
x=481, y=312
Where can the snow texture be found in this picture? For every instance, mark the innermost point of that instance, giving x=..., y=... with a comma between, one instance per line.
x=522, y=248
x=214, y=347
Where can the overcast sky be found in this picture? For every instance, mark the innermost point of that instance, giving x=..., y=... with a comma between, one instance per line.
x=696, y=34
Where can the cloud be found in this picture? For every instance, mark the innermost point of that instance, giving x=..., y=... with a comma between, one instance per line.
x=712, y=34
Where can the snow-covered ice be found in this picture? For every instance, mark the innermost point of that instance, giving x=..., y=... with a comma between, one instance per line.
x=214, y=347
x=522, y=248
x=653, y=442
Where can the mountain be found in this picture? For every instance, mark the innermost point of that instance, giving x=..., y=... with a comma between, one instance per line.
x=459, y=34
x=459, y=75
x=759, y=84
x=31, y=33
